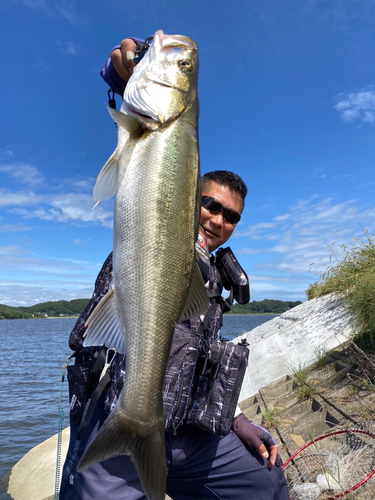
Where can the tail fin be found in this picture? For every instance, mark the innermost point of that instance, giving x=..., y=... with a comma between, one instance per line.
x=143, y=443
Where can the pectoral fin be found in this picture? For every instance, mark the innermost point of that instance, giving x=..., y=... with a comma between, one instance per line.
x=103, y=326
x=106, y=181
x=197, y=302
x=127, y=122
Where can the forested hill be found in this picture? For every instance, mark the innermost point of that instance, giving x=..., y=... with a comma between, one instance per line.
x=65, y=308
x=266, y=306
x=60, y=308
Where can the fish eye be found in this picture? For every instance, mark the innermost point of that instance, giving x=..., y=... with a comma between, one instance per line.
x=185, y=65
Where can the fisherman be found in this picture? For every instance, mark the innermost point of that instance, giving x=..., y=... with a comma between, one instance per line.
x=243, y=463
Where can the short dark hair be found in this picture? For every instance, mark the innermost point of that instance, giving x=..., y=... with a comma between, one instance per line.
x=227, y=179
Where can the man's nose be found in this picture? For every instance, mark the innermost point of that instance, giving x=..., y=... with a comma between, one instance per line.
x=218, y=219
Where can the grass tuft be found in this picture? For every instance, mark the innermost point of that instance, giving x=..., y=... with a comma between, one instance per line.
x=354, y=277
x=270, y=417
x=300, y=373
x=321, y=356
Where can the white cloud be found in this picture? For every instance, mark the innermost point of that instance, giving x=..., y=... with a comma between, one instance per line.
x=25, y=294
x=343, y=15
x=357, y=105
x=41, y=65
x=6, y=154
x=73, y=208
x=37, y=278
x=14, y=228
x=68, y=10
x=69, y=48
x=80, y=242
x=35, y=4
x=63, y=8
x=283, y=217
x=313, y=230
x=10, y=250
x=254, y=229
x=69, y=202
x=8, y=198
x=23, y=173
x=248, y=251
x=77, y=207
x=84, y=184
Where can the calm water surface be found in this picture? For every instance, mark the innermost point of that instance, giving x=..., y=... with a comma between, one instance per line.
x=33, y=352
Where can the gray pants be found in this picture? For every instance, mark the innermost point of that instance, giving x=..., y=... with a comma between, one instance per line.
x=200, y=465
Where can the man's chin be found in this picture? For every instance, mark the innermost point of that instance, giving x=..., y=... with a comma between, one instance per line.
x=213, y=240
x=212, y=243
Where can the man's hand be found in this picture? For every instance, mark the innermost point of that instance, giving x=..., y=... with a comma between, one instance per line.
x=123, y=58
x=256, y=437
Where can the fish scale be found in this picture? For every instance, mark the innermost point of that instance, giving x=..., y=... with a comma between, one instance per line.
x=154, y=175
x=156, y=297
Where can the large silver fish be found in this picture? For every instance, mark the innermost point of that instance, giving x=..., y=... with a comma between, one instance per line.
x=154, y=174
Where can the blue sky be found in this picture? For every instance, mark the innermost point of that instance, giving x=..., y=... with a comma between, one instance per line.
x=287, y=99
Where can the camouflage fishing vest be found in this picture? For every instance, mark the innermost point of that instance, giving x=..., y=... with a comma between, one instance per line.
x=204, y=374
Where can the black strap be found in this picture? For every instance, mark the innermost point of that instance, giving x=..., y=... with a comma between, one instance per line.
x=91, y=404
x=98, y=364
x=111, y=99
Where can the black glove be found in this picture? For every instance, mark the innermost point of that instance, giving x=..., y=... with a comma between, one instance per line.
x=256, y=437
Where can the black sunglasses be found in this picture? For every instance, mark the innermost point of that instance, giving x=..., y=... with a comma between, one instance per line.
x=215, y=207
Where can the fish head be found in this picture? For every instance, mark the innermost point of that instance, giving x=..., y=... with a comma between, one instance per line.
x=164, y=82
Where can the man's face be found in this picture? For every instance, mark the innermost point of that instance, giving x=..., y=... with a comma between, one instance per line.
x=218, y=230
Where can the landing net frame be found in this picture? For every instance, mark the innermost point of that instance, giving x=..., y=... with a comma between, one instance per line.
x=348, y=432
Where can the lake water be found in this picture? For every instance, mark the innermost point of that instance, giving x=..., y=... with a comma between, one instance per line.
x=33, y=353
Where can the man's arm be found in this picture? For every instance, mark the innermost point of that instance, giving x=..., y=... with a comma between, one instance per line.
x=118, y=68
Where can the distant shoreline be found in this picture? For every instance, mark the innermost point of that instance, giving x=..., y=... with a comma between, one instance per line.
x=76, y=317
x=45, y=317
x=73, y=309
x=254, y=314
x=59, y=317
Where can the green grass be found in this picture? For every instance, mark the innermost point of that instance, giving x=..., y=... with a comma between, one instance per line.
x=300, y=373
x=321, y=356
x=353, y=277
x=269, y=417
x=306, y=391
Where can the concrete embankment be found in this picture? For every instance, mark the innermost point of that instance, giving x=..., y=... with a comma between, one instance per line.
x=339, y=399
x=292, y=339
x=33, y=477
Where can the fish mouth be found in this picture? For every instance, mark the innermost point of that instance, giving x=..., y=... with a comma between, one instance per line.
x=138, y=106
x=138, y=114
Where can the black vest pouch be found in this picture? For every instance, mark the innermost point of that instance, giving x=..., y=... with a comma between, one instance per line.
x=179, y=376
x=218, y=388
x=220, y=371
